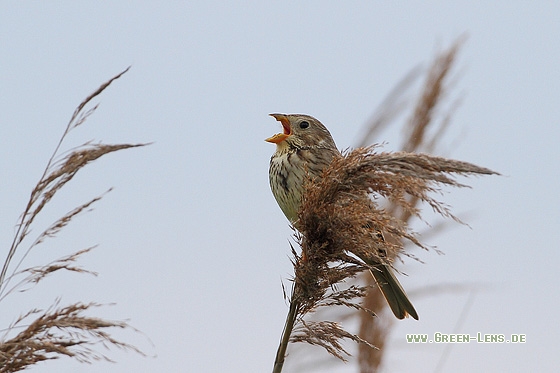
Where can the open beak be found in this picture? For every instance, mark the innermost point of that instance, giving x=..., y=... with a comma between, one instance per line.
x=279, y=137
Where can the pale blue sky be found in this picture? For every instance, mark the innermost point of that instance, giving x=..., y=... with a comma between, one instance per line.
x=192, y=247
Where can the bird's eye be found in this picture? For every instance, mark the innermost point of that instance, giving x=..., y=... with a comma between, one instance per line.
x=303, y=124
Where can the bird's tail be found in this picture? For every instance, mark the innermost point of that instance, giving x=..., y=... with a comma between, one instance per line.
x=393, y=292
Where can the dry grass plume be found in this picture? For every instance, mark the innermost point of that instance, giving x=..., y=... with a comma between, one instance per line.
x=58, y=331
x=423, y=131
x=334, y=228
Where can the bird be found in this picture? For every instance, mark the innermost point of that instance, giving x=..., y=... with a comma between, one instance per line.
x=304, y=149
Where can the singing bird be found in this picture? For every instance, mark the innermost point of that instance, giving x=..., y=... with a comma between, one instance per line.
x=303, y=149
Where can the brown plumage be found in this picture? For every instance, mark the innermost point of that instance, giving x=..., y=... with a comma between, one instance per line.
x=303, y=150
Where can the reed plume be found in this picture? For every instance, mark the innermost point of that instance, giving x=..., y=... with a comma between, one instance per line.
x=58, y=330
x=333, y=226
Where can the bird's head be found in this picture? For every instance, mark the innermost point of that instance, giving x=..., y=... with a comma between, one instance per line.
x=301, y=131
